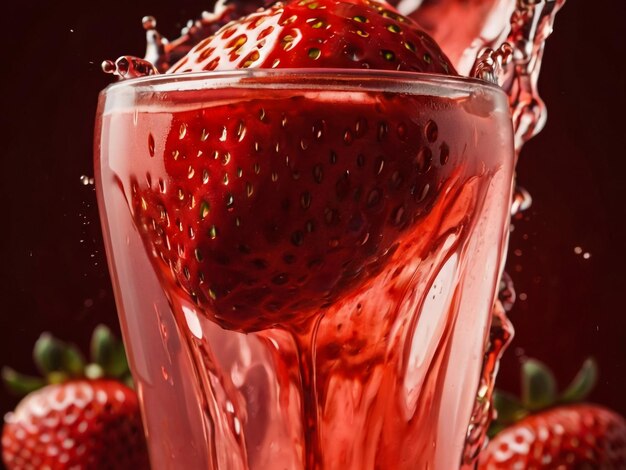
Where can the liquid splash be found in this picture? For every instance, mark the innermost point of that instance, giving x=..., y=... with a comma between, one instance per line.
x=129, y=67
x=532, y=24
x=500, y=335
x=162, y=53
x=499, y=41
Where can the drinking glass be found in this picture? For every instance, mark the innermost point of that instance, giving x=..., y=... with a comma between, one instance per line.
x=286, y=347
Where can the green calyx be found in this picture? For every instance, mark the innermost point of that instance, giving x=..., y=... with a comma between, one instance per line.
x=539, y=392
x=59, y=362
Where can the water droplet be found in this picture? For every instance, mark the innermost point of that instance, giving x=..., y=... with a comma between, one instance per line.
x=522, y=201
x=87, y=180
x=129, y=67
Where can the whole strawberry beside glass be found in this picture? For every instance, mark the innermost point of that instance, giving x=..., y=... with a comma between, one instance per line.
x=78, y=416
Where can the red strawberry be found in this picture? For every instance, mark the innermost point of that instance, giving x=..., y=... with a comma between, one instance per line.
x=269, y=208
x=288, y=202
x=76, y=422
x=568, y=436
x=88, y=424
x=320, y=34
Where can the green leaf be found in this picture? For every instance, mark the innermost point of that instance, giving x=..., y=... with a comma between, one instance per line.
x=108, y=352
x=102, y=341
x=582, y=384
x=538, y=385
x=57, y=377
x=73, y=361
x=118, y=365
x=509, y=408
x=494, y=429
x=128, y=381
x=20, y=384
x=49, y=354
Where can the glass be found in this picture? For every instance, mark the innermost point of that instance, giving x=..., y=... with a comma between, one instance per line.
x=390, y=194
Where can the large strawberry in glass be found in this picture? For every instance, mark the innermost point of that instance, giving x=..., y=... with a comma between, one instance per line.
x=269, y=209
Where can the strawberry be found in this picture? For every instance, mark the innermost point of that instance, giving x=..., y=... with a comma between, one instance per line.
x=81, y=419
x=568, y=436
x=89, y=424
x=266, y=209
x=572, y=436
x=320, y=34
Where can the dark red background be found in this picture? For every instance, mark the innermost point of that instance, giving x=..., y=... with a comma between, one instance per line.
x=52, y=265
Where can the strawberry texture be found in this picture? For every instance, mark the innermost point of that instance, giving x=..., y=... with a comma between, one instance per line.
x=88, y=425
x=271, y=208
x=275, y=208
x=320, y=34
x=568, y=437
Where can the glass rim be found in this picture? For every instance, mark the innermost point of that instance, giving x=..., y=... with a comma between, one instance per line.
x=298, y=78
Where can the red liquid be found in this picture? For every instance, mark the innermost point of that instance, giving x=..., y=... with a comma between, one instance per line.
x=382, y=370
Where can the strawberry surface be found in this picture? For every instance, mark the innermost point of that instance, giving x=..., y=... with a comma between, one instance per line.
x=320, y=34
x=569, y=437
x=81, y=424
x=268, y=209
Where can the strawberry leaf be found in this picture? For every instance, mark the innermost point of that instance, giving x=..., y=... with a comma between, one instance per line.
x=20, y=384
x=73, y=361
x=108, y=352
x=509, y=408
x=538, y=385
x=118, y=365
x=582, y=384
x=49, y=354
x=102, y=343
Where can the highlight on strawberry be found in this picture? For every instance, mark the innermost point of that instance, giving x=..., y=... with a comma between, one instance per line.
x=79, y=415
x=546, y=430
